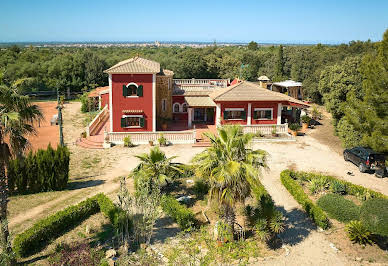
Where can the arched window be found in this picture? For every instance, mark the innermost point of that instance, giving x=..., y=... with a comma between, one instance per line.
x=184, y=107
x=176, y=107
x=132, y=90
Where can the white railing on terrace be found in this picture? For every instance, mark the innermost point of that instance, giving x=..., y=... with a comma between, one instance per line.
x=175, y=137
x=195, y=87
x=266, y=129
x=97, y=122
x=212, y=82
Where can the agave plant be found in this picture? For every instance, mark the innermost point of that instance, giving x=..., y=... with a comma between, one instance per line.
x=358, y=233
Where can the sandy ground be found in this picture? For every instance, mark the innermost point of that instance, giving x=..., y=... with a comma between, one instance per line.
x=305, y=245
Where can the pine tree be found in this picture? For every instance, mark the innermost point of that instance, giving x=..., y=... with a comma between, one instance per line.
x=369, y=116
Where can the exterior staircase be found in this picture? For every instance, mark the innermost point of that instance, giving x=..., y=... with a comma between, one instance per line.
x=91, y=142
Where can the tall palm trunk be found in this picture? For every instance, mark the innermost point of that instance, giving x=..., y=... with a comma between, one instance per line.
x=230, y=217
x=4, y=233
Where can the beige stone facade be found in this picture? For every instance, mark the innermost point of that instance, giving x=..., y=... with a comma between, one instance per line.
x=164, y=88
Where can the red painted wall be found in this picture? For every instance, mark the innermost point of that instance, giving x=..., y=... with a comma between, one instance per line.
x=104, y=100
x=244, y=105
x=273, y=105
x=233, y=105
x=120, y=103
x=179, y=116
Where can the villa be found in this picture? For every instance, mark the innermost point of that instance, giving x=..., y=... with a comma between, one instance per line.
x=143, y=98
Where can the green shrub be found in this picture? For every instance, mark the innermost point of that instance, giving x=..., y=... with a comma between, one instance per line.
x=44, y=231
x=128, y=142
x=318, y=184
x=350, y=188
x=162, y=140
x=45, y=170
x=337, y=187
x=109, y=209
x=295, y=127
x=306, y=119
x=315, y=212
x=374, y=215
x=339, y=208
x=200, y=188
x=358, y=233
x=183, y=216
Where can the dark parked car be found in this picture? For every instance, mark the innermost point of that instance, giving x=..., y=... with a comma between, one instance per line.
x=366, y=159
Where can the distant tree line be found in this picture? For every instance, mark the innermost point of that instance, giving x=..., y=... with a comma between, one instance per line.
x=75, y=69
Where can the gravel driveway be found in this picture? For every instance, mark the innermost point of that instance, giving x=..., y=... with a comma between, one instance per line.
x=305, y=244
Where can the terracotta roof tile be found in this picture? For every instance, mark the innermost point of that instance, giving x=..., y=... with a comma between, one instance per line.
x=248, y=91
x=135, y=65
x=97, y=91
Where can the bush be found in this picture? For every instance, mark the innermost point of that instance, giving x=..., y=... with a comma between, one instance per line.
x=200, y=188
x=358, y=233
x=162, y=140
x=183, y=216
x=45, y=170
x=44, y=231
x=315, y=212
x=374, y=215
x=295, y=127
x=318, y=184
x=350, y=188
x=337, y=187
x=305, y=119
x=128, y=142
x=339, y=208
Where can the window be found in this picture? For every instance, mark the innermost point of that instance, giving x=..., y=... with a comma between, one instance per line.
x=132, y=90
x=164, y=105
x=234, y=114
x=132, y=121
x=184, y=107
x=176, y=108
x=263, y=114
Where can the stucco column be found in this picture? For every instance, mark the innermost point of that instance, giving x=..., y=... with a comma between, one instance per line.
x=189, y=117
x=218, y=115
x=279, y=114
x=249, y=114
x=110, y=103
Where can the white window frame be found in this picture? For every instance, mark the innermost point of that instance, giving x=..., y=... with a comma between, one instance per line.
x=132, y=96
x=179, y=108
x=264, y=109
x=234, y=109
x=186, y=107
x=139, y=116
x=164, y=105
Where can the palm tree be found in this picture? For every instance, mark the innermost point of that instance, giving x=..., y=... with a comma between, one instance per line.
x=156, y=168
x=231, y=168
x=17, y=115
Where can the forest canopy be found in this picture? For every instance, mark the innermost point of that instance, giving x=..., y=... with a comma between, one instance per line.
x=76, y=68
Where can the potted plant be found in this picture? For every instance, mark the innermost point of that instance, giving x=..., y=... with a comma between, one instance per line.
x=128, y=142
x=162, y=140
x=273, y=132
x=305, y=121
x=164, y=122
x=151, y=142
x=294, y=127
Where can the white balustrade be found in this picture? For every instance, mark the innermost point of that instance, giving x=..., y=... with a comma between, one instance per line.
x=266, y=129
x=175, y=137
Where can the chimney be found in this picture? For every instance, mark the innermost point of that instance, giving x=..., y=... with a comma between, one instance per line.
x=263, y=80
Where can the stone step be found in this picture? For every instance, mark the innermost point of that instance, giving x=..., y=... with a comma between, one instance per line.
x=85, y=143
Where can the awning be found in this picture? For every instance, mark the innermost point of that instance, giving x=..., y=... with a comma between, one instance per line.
x=199, y=101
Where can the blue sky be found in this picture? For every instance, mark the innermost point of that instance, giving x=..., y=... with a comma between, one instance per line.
x=303, y=21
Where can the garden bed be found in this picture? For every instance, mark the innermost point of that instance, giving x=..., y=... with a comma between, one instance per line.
x=339, y=206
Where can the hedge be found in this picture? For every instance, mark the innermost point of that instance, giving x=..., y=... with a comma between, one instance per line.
x=374, y=215
x=182, y=215
x=316, y=213
x=339, y=208
x=44, y=231
x=45, y=170
x=350, y=188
